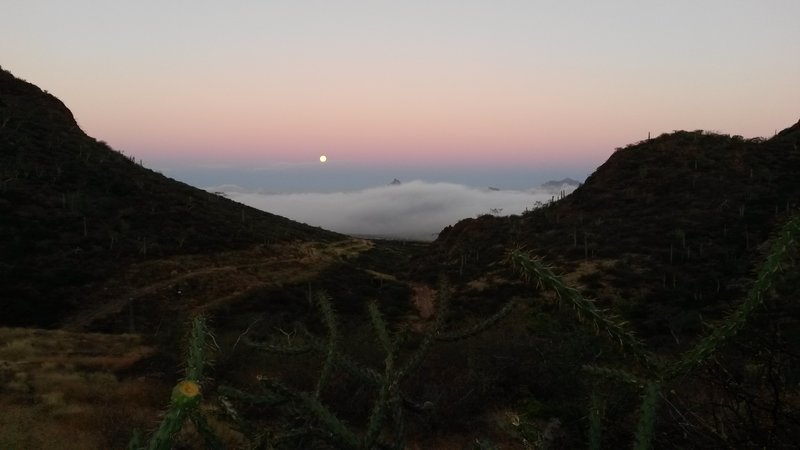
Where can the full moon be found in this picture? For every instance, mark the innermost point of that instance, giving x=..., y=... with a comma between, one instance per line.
x=323, y=158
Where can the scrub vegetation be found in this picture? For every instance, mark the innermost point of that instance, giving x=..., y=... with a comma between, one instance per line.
x=654, y=307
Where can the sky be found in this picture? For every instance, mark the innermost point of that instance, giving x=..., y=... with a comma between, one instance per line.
x=506, y=93
x=465, y=87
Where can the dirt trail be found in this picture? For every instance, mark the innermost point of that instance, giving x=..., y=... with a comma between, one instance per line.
x=200, y=283
x=423, y=297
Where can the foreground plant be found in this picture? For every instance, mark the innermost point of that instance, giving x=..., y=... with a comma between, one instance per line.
x=658, y=373
x=185, y=399
x=385, y=427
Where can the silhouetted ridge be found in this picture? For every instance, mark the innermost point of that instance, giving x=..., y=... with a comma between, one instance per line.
x=673, y=224
x=793, y=130
x=14, y=90
x=73, y=211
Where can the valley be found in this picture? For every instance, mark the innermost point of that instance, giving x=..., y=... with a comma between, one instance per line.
x=652, y=307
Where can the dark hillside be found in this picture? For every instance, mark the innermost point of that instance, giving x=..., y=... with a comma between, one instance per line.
x=320, y=340
x=675, y=236
x=672, y=225
x=73, y=211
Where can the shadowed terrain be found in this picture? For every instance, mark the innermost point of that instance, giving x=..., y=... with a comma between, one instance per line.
x=503, y=322
x=74, y=212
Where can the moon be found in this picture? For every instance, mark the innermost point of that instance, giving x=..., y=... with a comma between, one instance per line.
x=323, y=158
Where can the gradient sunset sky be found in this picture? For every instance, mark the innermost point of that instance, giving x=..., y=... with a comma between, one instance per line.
x=487, y=89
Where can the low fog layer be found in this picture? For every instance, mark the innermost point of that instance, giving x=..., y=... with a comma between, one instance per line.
x=414, y=210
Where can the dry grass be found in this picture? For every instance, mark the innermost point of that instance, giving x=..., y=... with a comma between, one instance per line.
x=59, y=390
x=486, y=282
x=587, y=268
x=380, y=275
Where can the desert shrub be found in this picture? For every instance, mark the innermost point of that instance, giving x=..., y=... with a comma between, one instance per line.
x=744, y=403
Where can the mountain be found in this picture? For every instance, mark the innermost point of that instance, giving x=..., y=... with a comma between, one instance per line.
x=74, y=212
x=556, y=184
x=440, y=345
x=685, y=214
x=673, y=237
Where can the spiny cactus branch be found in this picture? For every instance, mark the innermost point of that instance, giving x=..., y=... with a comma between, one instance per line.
x=278, y=348
x=186, y=395
x=595, y=423
x=346, y=363
x=398, y=421
x=197, y=348
x=615, y=374
x=380, y=328
x=442, y=310
x=480, y=326
x=386, y=420
x=329, y=318
x=532, y=269
x=379, y=410
x=647, y=417
x=253, y=399
x=338, y=431
x=779, y=252
x=172, y=423
x=202, y=427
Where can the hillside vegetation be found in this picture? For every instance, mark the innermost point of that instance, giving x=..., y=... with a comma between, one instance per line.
x=654, y=307
x=74, y=212
x=669, y=229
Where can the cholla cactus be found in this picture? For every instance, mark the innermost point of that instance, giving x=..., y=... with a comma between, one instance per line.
x=534, y=270
x=656, y=373
x=385, y=427
x=767, y=273
x=186, y=397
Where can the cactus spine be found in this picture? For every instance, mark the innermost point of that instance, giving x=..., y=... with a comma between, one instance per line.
x=186, y=397
x=385, y=427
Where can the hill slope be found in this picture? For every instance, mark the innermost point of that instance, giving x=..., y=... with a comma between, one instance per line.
x=666, y=233
x=670, y=235
x=73, y=211
x=674, y=225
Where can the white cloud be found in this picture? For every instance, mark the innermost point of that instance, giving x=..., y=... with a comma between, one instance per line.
x=413, y=210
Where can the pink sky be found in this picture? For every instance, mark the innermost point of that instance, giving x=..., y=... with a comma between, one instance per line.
x=510, y=84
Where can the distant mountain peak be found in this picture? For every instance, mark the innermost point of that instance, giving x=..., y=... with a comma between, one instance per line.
x=559, y=183
x=395, y=182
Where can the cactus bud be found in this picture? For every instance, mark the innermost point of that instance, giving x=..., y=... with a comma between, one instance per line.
x=186, y=393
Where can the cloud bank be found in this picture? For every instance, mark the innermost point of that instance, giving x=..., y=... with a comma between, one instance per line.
x=414, y=210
